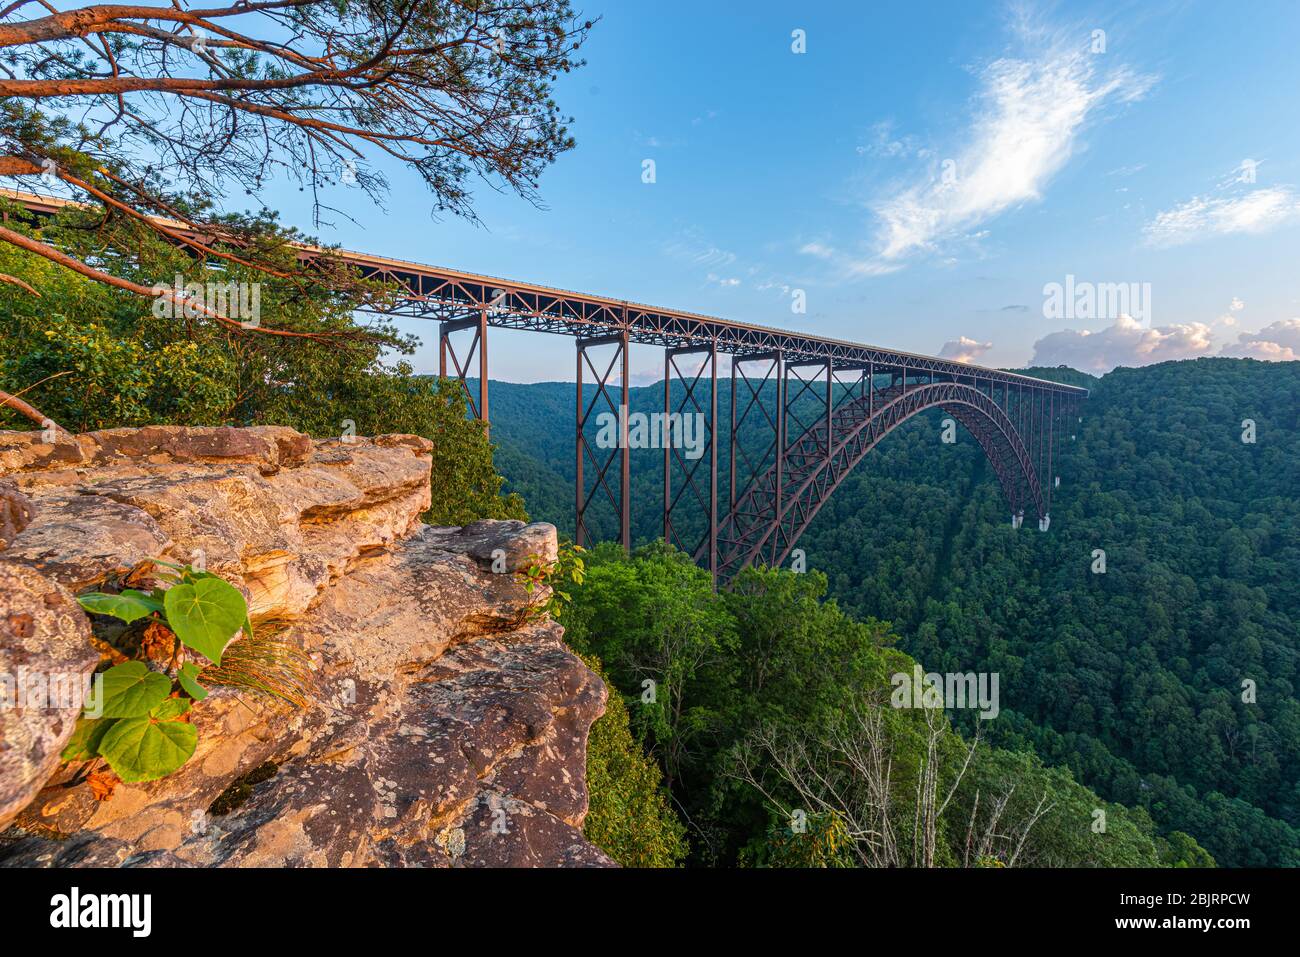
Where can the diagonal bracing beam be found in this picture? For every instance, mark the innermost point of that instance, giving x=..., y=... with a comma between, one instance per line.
x=689, y=413
x=608, y=451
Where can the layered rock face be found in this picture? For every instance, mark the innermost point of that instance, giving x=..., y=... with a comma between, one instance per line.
x=445, y=724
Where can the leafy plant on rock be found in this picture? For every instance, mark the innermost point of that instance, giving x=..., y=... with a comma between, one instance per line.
x=137, y=720
x=568, y=566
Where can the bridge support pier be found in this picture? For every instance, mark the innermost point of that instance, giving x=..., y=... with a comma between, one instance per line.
x=477, y=347
x=674, y=430
x=756, y=398
x=611, y=443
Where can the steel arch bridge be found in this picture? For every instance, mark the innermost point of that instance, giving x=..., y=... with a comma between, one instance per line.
x=764, y=524
x=825, y=403
x=820, y=404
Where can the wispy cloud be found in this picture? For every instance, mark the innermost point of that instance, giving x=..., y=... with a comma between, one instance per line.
x=1025, y=128
x=690, y=249
x=721, y=267
x=881, y=141
x=820, y=250
x=1253, y=211
x=964, y=349
x=1025, y=135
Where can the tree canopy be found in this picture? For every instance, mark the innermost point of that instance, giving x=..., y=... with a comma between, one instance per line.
x=151, y=114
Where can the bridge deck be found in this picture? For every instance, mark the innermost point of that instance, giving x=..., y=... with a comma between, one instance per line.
x=451, y=295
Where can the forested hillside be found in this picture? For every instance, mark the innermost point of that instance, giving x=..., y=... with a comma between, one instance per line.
x=1166, y=682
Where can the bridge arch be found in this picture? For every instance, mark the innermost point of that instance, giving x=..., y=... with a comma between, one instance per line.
x=859, y=427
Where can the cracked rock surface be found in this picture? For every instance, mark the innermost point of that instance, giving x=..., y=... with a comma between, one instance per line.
x=447, y=724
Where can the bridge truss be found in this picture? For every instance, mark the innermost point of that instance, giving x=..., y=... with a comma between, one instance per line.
x=821, y=404
x=818, y=404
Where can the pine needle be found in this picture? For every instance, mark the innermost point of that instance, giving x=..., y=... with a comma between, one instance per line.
x=265, y=665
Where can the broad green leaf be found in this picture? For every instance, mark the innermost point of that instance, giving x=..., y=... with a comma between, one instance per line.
x=86, y=738
x=189, y=679
x=192, y=576
x=144, y=749
x=128, y=606
x=206, y=615
x=171, y=709
x=131, y=690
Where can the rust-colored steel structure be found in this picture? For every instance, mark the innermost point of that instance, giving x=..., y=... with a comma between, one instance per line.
x=825, y=403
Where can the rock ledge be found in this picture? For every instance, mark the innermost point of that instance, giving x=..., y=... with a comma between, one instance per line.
x=448, y=722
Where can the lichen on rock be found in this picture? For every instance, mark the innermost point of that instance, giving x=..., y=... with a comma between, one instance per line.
x=446, y=725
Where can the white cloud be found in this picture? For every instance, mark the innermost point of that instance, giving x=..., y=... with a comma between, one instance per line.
x=723, y=280
x=1125, y=343
x=882, y=142
x=820, y=250
x=1025, y=130
x=964, y=349
x=1255, y=211
x=1229, y=318
x=689, y=249
x=1279, y=341
x=849, y=266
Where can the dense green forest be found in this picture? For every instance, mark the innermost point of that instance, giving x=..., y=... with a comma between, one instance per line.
x=768, y=710
x=1137, y=680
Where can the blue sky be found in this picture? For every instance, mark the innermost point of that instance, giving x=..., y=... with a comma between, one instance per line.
x=922, y=172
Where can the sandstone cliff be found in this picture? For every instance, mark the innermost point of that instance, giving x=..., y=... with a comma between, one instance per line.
x=445, y=724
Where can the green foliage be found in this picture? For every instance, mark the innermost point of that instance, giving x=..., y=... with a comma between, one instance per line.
x=201, y=609
x=1133, y=678
x=1181, y=850
x=205, y=614
x=1076, y=829
x=568, y=566
x=138, y=729
x=629, y=816
x=711, y=679
x=152, y=746
x=188, y=676
x=137, y=723
x=131, y=690
x=129, y=606
x=86, y=738
x=95, y=357
x=664, y=635
x=824, y=841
